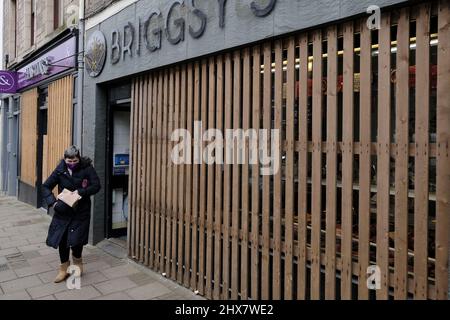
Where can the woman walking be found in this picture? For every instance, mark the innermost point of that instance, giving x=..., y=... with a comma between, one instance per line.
x=69, y=228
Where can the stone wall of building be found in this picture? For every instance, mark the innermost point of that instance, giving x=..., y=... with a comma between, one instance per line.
x=17, y=19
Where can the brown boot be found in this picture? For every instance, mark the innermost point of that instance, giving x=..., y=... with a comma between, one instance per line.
x=62, y=272
x=79, y=263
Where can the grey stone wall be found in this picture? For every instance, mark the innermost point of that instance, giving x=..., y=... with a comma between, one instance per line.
x=94, y=6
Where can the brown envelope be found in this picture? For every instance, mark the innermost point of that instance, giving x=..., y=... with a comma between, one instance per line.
x=68, y=197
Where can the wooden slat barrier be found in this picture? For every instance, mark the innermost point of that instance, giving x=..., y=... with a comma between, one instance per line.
x=59, y=124
x=364, y=173
x=28, y=142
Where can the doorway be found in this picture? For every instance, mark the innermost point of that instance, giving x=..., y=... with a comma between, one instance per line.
x=118, y=164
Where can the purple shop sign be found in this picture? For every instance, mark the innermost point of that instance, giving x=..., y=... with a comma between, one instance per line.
x=8, y=82
x=55, y=61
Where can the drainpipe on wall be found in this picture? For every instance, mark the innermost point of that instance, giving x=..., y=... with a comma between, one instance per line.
x=79, y=113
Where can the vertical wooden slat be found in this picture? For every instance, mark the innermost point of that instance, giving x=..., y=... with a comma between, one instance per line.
x=246, y=104
x=149, y=172
x=218, y=187
x=164, y=210
x=141, y=157
x=188, y=187
x=227, y=182
x=365, y=158
x=203, y=181
x=196, y=184
x=158, y=206
x=290, y=160
x=176, y=228
x=170, y=208
x=383, y=154
x=276, y=273
x=401, y=158
x=421, y=164
x=347, y=165
x=144, y=210
x=211, y=108
x=302, y=168
x=316, y=205
x=236, y=172
x=267, y=119
x=181, y=179
x=153, y=214
x=330, y=242
x=443, y=158
x=211, y=182
x=421, y=169
x=256, y=117
x=142, y=173
x=138, y=169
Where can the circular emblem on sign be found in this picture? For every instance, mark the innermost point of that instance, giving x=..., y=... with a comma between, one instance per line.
x=95, y=56
x=7, y=82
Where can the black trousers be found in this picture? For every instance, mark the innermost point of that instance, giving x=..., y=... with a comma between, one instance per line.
x=64, y=250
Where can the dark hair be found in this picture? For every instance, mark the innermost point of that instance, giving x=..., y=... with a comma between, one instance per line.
x=72, y=152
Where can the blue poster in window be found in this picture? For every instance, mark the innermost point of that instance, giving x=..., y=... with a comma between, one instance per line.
x=121, y=160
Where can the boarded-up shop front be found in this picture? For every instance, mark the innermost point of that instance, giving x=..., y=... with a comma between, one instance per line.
x=46, y=116
x=363, y=189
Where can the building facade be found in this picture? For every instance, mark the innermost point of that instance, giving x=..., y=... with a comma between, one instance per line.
x=334, y=180
x=358, y=92
x=40, y=46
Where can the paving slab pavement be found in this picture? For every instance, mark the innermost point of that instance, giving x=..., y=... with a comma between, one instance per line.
x=28, y=266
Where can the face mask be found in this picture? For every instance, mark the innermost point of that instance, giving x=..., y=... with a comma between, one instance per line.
x=72, y=166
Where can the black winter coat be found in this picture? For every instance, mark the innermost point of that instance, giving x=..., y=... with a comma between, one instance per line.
x=77, y=220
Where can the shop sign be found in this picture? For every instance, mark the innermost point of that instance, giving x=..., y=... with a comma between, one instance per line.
x=53, y=62
x=95, y=56
x=8, y=82
x=145, y=36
